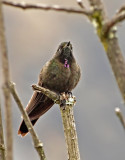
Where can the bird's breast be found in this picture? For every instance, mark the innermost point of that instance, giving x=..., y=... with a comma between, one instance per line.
x=57, y=77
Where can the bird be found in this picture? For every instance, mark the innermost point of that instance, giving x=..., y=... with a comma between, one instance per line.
x=60, y=74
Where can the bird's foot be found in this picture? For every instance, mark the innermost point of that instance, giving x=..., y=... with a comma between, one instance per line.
x=69, y=93
x=67, y=99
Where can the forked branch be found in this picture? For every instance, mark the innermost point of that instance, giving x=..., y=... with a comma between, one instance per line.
x=119, y=17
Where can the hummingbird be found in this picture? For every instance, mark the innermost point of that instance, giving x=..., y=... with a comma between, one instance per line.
x=60, y=74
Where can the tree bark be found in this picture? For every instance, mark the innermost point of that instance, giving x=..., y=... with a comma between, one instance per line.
x=7, y=98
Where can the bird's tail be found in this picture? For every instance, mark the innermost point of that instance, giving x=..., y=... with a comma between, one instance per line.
x=23, y=130
x=38, y=105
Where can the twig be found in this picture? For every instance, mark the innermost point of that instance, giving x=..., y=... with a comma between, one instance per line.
x=2, y=146
x=24, y=5
x=7, y=98
x=80, y=3
x=52, y=95
x=122, y=9
x=37, y=143
x=120, y=116
x=114, y=21
x=67, y=118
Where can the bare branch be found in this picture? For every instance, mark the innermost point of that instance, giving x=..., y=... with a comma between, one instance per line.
x=52, y=95
x=110, y=44
x=120, y=116
x=70, y=127
x=67, y=118
x=114, y=21
x=2, y=146
x=119, y=17
x=98, y=4
x=37, y=143
x=7, y=98
x=24, y=5
x=80, y=3
x=122, y=9
x=118, y=63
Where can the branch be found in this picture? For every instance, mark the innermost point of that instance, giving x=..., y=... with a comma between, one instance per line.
x=52, y=95
x=122, y=9
x=66, y=107
x=24, y=5
x=120, y=116
x=98, y=4
x=119, y=17
x=80, y=3
x=70, y=128
x=37, y=143
x=7, y=98
x=99, y=11
x=110, y=44
x=2, y=146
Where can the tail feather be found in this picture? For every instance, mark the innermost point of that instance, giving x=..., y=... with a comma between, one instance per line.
x=23, y=130
x=38, y=105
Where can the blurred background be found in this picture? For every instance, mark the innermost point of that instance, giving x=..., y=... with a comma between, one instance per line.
x=32, y=38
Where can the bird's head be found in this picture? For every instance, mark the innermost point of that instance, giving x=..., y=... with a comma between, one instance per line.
x=64, y=53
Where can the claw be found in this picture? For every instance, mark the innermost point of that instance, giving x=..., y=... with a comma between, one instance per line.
x=67, y=99
x=70, y=94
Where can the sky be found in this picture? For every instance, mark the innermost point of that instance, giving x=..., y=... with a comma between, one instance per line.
x=33, y=37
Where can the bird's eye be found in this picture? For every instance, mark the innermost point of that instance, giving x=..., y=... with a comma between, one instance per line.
x=60, y=48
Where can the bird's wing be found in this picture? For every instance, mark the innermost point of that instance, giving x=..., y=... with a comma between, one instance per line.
x=38, y=105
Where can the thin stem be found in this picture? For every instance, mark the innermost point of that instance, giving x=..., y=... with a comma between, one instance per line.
x=7, y=98
x=122, y=9
x=113, y=22
x=37, y=143
x=80, y=3
x=2, y=146
x=52, y=95
x=24, y=5
x=120, y=116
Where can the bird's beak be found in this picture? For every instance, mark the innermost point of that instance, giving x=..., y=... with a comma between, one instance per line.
x=68, y=43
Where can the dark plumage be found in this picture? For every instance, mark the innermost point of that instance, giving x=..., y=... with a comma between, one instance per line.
x=60, y=74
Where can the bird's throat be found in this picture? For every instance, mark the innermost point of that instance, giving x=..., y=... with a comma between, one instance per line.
x=66, y=64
